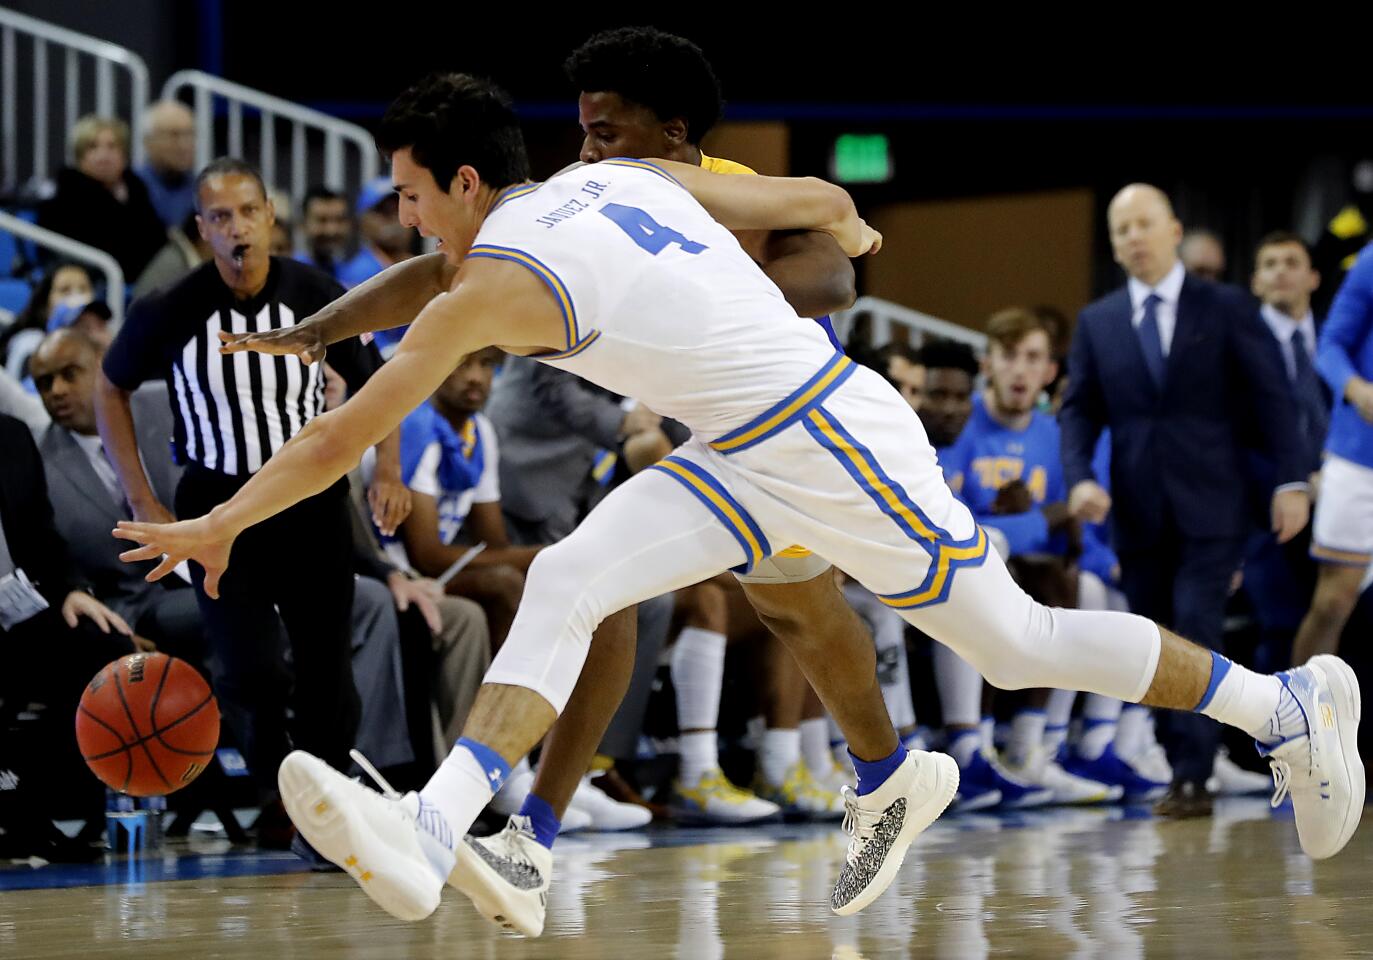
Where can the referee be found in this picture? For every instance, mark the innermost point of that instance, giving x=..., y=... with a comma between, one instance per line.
x=232, y=413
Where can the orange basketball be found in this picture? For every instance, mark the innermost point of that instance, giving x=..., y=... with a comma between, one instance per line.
x=148, y=724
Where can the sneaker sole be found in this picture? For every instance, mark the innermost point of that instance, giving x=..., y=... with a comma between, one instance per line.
x=336, y=831
x=946, y=785
x=1344, y=690
x=467, y=878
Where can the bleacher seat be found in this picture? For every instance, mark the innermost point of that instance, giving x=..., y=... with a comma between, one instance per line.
x=14, y=294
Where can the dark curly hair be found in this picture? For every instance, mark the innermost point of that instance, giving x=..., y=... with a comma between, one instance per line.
x=449, y=120
x=665, y=73
x=943, y=354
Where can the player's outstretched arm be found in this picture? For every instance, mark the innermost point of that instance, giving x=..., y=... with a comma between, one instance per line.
x=779, y=203
x=493, y=300
x=392, y=298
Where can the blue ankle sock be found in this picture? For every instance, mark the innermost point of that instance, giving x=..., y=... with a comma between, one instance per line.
x=872, y=774
x=492, y=762
x=542, y=818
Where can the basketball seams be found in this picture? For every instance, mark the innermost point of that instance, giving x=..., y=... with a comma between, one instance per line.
x=119, y=688
x=155, y=733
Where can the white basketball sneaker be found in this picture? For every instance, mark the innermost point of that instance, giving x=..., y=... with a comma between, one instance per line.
x=882, y=825
x=606, y=813
x=1229, y=779
x=398, y=849
x=506, y=877
x=1040, y=769
x=1320, y=767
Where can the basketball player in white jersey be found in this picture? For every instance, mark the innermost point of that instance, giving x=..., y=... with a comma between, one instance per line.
x=627, y=274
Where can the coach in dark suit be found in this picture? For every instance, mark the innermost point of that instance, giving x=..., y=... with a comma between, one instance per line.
x=1185, y=377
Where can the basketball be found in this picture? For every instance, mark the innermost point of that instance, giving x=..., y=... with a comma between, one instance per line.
x=148, y=724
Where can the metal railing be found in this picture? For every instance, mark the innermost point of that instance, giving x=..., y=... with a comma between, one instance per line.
x=883, y=316
x=78, y=251
x=49, y=44
x=305, y=124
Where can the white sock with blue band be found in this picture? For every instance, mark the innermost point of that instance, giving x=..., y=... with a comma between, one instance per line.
x=1251, y=701
x=465, y=783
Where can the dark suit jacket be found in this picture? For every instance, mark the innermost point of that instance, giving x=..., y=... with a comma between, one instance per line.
x=1178, y=454
x=27, y=516
x=86, y=513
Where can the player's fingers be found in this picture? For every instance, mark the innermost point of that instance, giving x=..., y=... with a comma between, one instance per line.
x=167, y=565
x=120, y=624
x=70, y=616
x=131, y=530
x=212, y=583
x=149, y=552
x=97, y=617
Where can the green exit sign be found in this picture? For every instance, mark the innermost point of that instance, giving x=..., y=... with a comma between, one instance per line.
x=861, y=158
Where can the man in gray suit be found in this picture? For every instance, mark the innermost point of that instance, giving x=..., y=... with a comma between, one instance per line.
x=88, y=501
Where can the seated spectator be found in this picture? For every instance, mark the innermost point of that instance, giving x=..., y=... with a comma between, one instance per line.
x=450, y=460
x=64, y=282
x=283, y=228
x=904, y=371
x=169, y=172
x=88, y=500
x=382, y=241
x=92, y=319
x=17, y=402
x=101, y=202
x=56, y=637
x=184, y=250
x=328, y=229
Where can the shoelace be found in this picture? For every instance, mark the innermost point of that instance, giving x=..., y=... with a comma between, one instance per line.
x=387, y=791
x=1282, y=782
x=859, y=823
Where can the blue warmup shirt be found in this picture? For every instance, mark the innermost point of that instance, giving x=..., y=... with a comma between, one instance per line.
x=1345, y=348
x=1097, y=555
x=987, y=456
x=457, y=467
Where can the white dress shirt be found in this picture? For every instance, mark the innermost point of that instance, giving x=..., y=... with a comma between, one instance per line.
x=1169, y=289
x=1284, y=329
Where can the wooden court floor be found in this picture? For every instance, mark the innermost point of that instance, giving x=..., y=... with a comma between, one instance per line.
x=1070, y=884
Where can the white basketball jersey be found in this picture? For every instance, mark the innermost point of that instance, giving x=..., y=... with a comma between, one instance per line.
x=659, y=301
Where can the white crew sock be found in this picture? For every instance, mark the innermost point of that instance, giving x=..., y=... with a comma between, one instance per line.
x=1057, y=713
x=962, y=745
x=1250, y=701
x=700, y=753
x=698, y=669
x=1099, y=717
x=1027, y=735
x=986, y=733
x=459, y=789
x=1134, y=734
x=781, y=750
x=960, y=688
x=815, y=746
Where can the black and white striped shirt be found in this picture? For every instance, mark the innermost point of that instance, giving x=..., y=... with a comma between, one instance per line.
x=231, y=413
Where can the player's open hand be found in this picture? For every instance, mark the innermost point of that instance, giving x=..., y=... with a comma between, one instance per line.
x=301, y=340
x=196, y=540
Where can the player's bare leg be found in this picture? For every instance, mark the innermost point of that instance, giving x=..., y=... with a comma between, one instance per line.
x=1337, y=591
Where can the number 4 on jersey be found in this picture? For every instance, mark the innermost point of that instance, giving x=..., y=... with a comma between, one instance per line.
x=647, y=232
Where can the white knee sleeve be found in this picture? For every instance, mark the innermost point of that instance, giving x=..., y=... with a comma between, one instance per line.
x=1015, y=642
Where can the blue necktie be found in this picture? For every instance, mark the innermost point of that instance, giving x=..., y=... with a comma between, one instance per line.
x=1314, y=418
x=1150, y=341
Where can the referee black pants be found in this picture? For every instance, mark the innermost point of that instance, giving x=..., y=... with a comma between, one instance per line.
x=294, y=570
